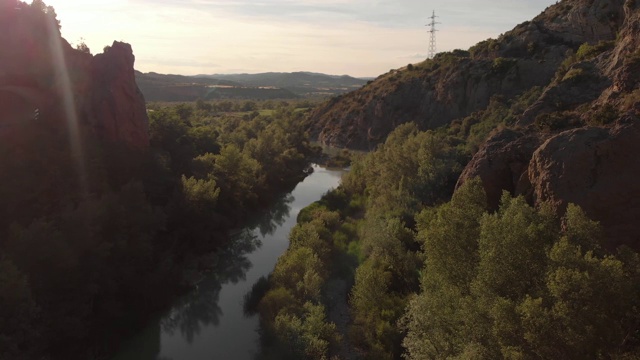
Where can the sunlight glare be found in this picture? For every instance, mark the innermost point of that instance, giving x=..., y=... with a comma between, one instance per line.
x=63, y=82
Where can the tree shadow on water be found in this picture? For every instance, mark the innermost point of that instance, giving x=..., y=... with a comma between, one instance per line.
x=274, y=217
x=200, y=307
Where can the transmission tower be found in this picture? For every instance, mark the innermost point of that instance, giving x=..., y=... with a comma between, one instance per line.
x=432, y=31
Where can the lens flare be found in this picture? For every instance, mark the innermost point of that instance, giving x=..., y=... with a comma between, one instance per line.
x=63, y=84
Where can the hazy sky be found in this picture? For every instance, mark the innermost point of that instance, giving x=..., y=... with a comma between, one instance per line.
x=355, y=37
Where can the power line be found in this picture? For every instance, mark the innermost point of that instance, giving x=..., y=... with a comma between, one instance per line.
x=432, y=31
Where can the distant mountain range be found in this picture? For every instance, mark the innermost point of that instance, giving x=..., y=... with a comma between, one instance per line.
x=263, y=86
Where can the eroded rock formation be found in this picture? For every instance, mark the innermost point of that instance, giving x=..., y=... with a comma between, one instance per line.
x=598, y=169
x=502, y=164
x=118, y=106
x=39, y=70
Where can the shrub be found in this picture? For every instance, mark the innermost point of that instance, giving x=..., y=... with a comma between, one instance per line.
x=573, y=75
x=631, y=100
x=578, y=75
x=551, y=122
x=83, y=47
x=460, y=53
x=483, y=48
x=607, y=114
x=634, y=58
x=502, y=65
x=587, y=51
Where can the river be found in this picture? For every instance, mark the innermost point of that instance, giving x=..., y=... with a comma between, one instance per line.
x=209, y=323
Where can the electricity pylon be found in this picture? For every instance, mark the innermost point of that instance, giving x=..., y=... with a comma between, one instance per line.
x=432, y=31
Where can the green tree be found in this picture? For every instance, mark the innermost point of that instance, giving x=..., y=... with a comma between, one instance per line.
x=308, y=336
x=450, y=236
x=201, y=195
x=512, y=246
x=591, y=298
x=375, y=310
x=300, y=271
x=236, y=174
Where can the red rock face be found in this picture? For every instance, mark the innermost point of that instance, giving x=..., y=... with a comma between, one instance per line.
x=103, y=88
x=598, y=169
x=117, y=103
x=502, y=164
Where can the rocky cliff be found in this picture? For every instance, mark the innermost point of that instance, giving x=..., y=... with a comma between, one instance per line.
x=43, y=78
x=118, y=108
x=453, y=85
x=578, y=143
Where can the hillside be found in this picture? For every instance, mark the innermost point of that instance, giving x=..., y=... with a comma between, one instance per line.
x=453, y=85
x=264, y=86
x=160, y=87
x=301, y=83
x=575, y=143
x=564, y=89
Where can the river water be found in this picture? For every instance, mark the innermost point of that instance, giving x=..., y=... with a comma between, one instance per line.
x=209, y=323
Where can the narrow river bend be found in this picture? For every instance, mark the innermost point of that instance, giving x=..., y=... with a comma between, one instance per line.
x=209, y=323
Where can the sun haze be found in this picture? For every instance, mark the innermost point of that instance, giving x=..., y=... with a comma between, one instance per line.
x=355, y=37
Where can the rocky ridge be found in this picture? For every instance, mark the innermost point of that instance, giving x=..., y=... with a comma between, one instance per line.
x=453, y=85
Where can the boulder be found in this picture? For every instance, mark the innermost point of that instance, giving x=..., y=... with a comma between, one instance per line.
x=597, y=169
x=502, y=163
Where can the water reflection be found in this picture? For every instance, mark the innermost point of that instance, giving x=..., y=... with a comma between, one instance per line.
x=200, y=307
x=210, y=322
x=275, y=216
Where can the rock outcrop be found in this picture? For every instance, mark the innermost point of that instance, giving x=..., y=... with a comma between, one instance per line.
x=43, y=77
x=594, y=167
x=431, y=95
x=502, y=164
x=598, y=169
x=118, y=106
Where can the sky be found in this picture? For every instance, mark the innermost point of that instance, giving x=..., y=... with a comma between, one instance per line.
x=362, y=38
